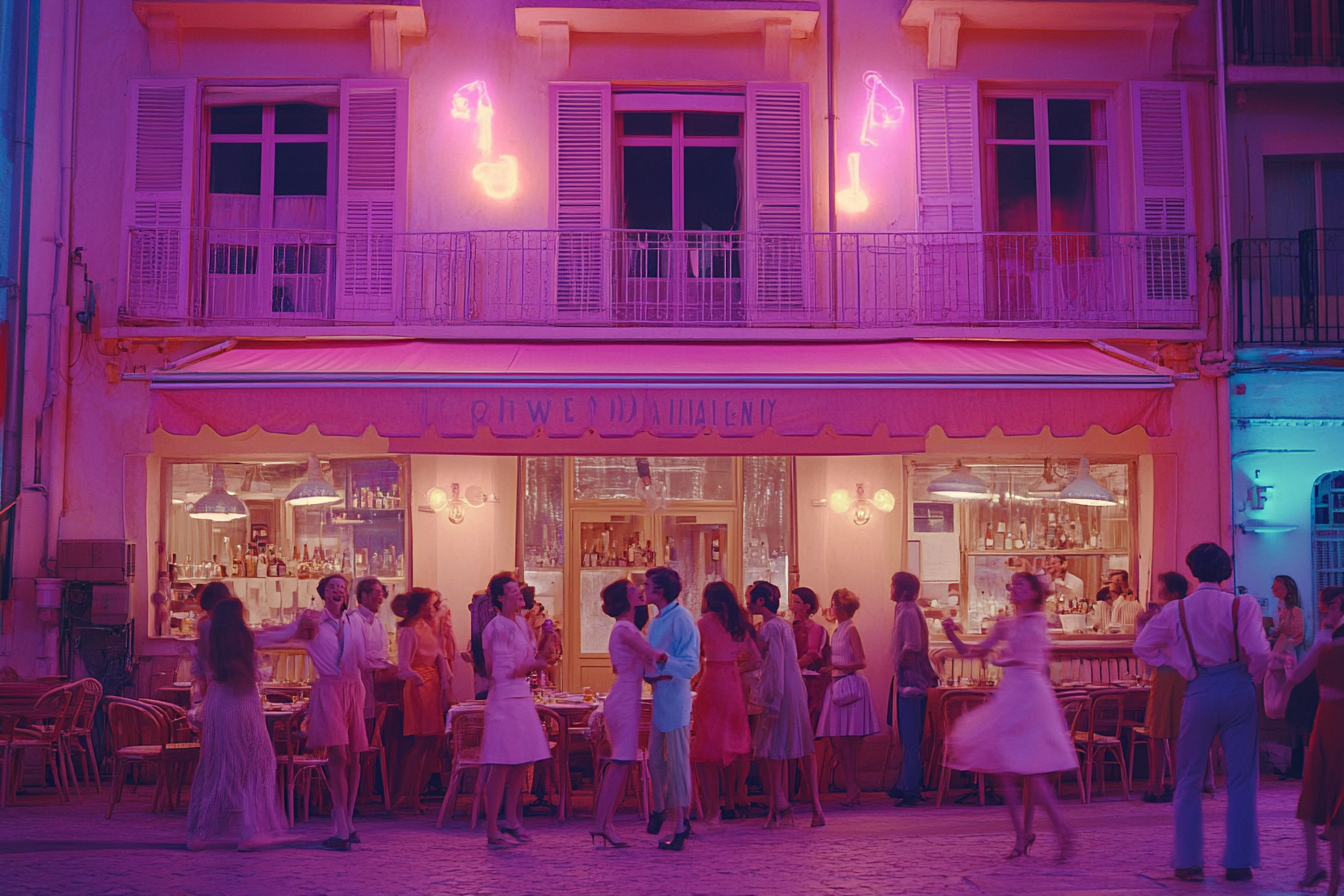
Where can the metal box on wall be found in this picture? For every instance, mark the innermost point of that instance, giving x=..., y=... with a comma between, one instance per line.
x=111, y=605
x=95, y=561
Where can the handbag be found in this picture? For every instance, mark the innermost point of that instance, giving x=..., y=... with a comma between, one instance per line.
x=846, y=690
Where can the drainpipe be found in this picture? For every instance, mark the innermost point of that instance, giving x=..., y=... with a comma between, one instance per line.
x=56, y=401
x=833, y=240
x=1225, y=334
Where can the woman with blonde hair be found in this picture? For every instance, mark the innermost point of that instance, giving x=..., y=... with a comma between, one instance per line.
x=847, y=714
x=425, y=693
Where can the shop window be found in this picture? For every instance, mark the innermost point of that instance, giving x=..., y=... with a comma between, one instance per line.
x=273, y=556
x=1327, y=531
x=968, y=550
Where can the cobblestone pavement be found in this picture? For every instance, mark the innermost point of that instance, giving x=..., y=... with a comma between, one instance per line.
x=874, y=849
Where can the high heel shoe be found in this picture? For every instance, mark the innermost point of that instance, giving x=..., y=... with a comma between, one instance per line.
x=850, y=804
x=818, y=820
x=517, y=833
x=607, y=840
x=1068, y=843
x=656, y=820
x=677, y=842
x=497, y=843
x=1022, y=847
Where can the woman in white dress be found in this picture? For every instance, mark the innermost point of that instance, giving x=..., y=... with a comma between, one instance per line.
x=513, y=737
x=632, y=659
x=847, y=714
x=1019, y=732
x=784, y=730
x=233, y=794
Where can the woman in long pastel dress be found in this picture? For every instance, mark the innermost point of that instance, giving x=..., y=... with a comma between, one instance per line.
x=784, y=730
x=233, y=794
x=1322, y=800
x=719, y=731
x=1019, y=732
x=844, y=720
x=513, y=737
x=423, y=668
x=632, y=659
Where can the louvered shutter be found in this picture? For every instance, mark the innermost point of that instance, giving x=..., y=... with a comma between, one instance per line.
x=951, y=269
x=779, y=199
x=1164, y=201
x=581, y=195
x=372, y=198
x=157, y=202
x=947, y=156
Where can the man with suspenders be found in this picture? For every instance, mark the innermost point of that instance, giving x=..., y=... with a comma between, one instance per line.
x=1216, y=641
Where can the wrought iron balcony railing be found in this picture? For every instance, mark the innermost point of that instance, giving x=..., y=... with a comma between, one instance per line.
x=1290, y=291
x=1287, y=32
x=661, y=279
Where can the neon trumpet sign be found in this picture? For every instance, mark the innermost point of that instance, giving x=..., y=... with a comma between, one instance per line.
x=498, y=179
x=883, y=110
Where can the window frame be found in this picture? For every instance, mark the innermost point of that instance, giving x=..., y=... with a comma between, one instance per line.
x=1106, y=185
x=679, y=142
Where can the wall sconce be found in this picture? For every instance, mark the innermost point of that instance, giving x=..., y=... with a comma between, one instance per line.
x=455, y=502
x=859, y=505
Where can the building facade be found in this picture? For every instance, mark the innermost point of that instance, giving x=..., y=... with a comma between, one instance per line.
x=792, y=290
x=1284, y=75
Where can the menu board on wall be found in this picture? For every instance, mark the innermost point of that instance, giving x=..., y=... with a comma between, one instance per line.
x=939, y=558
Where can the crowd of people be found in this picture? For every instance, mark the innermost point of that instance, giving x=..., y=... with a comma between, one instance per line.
x=726, y=691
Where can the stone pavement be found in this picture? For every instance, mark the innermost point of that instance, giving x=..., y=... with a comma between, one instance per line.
x=874, y=849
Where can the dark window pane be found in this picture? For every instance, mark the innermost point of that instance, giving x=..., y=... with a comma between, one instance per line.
x=300, y=169
x=1332, y=193
x=1069, y=119
x=711, y=185
x=647, y=124
x=648, y=187
x=235, y=168
x=235, y=120
x=711, y=124
x=1292, y=183
x=1014, y=119
x=1015, y=173
x=1073, y=197
x=300, y=118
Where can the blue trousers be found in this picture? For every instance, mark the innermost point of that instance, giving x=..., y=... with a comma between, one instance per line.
x=910, y=729
x=1220, y=702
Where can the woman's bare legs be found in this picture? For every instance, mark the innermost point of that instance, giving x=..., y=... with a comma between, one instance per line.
x=810, y=785
x=343, y=781
x=1313, y=866
x=412, y=773
x=1336, y=835
x=504, y=784
x=1009, y=786
x=848, y=748
x=708, y=773
x=1042, y=794
x=608, y=795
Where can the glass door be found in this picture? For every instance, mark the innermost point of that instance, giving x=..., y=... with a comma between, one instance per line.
x=603, y=547
x=702, y=548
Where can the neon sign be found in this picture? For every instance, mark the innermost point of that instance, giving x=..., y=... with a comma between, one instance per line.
x=498, y=179
x=883, y=110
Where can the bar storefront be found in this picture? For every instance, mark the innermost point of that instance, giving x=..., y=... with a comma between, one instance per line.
x=845, y=473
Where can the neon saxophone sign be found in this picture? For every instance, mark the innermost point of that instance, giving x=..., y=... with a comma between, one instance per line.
x=883, y=110
x=498, y=179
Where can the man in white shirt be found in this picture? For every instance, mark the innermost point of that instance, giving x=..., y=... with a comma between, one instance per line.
x=1216, y=641
x=336, y=704
x=1124, y=605
x=1057, y=566
x=370, y=594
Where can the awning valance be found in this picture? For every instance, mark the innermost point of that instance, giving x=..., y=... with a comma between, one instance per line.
x=425, y=389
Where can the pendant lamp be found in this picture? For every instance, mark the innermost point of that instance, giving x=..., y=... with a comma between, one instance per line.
x=217, y=504
x=1087, y=491
x=960, y=483
x=313, y=490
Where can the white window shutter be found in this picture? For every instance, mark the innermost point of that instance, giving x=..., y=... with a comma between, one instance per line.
x=371, y=198
x=581, y=203
x=1164, y=194
x=156, y=214
x=779, y=198
x=947, y=155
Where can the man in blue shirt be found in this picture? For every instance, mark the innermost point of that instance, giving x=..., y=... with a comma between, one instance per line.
x=673, y=632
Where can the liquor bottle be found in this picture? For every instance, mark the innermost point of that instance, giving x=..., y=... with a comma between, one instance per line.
x=250, y=564
x=401, y=565
x=375, y=568
x=396, y=496
x=215, y=568
x=1001, y=536
x=649, y=556
x=281, y=567
x=1021, y=541
x=239, y=564
x=989, y=537
x=388, y=563
x=714, y=548
x=1095, y=540
x=172, y=569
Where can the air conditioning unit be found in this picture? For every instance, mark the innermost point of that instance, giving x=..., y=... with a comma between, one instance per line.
x=95, y=561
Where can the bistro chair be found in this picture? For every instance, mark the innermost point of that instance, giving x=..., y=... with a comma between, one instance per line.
x=467, y=728
x=1075, y=706
x=139, y=736
x=295, y=764
x=79, y=736
x=376, y=754
x=1100, y=744
x=557, y=735
x=642, y=783
x=55, y=705
x=955, y=704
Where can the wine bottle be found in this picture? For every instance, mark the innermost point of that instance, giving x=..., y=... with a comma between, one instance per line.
x=714, y=549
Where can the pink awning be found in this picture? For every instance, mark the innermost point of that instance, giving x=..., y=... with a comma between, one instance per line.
x=440, y=393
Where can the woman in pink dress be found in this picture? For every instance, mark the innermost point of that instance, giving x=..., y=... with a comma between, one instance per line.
x=813, y=644
x=632, y=659
x=424, y=669
x=513, y=737
x=1019, y=732
x=719, y=731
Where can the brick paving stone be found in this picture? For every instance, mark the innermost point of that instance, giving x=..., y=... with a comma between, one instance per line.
x=46, y=848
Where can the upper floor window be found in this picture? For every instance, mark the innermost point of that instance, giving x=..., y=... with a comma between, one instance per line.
x=1046, y=164
x=1303, y=193
x=681, y=170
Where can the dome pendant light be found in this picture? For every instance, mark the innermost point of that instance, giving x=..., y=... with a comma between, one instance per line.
x=217, y=505
x=1087, y=491
x=313, y=490
x=960, y=483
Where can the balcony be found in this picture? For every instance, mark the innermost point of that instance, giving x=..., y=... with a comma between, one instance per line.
x=1278, y=40
x=1290, y=291
x=231, y=279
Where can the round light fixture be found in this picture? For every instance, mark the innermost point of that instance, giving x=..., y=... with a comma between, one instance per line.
x=959, y=483
x=217, y=505
x=839, y=500
x=1087, y=491
x=884, y=500
x=437, y=498
x=313, y=491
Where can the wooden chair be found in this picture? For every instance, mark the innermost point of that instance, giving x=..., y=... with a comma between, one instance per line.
x=295, y=764
x=557, y=735
x=954, y=705
x=643, y=783
x=139, y=736
x=1102, y=740
x=79, y=736
x=467, y=728
x=377, y=754
x=1075, y=707
x=55, y=710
